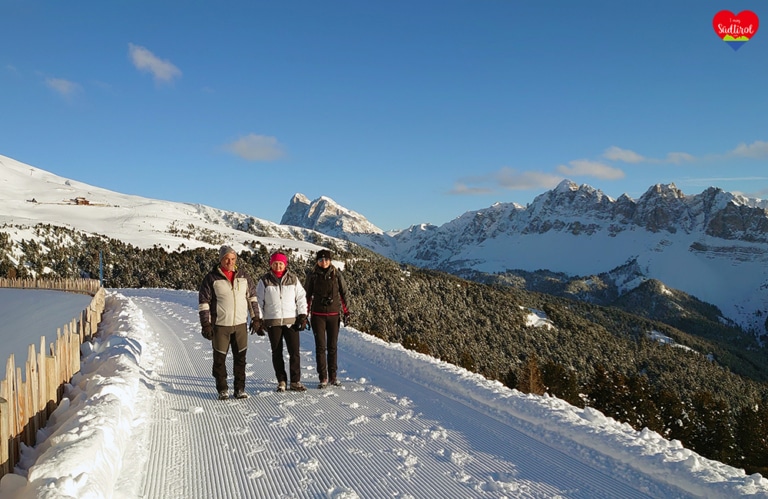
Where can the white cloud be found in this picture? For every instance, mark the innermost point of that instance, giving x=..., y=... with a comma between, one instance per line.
x=511, y=179
x=679, y=157
x=144, y=60
x=759, y=194
x=461, y=188
x=756, y=150
x=64, y=87
x=614, y=153
x=584, y=167
x=506, y=178
x=256, y=148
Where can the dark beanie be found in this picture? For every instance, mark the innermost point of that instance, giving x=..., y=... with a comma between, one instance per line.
x=323, y=254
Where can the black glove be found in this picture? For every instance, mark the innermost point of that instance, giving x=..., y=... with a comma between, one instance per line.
x=301, y=323
x=256, y=325
x=207, y=331
x=346, y=319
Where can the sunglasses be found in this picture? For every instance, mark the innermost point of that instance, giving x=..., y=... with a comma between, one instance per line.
x=323, y=258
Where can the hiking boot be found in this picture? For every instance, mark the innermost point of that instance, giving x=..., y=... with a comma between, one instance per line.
x=335, y=382
x=298, y=387
x=281, y=386
x=223, y=394
x=240, y=394
x=322, y=384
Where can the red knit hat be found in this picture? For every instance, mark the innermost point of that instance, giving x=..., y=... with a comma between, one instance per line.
x=278, y=257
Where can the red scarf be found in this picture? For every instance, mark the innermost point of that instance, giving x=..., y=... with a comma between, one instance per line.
x=229, y=274
x=279, y=275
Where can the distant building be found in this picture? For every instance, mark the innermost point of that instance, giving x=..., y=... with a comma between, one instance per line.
x=81, y=200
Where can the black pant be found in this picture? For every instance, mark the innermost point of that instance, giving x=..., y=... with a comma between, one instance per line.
x=291, y=336
x=223, y=338
x=326, y=331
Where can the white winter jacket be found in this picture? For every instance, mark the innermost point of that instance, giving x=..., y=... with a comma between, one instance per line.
x=282, y=300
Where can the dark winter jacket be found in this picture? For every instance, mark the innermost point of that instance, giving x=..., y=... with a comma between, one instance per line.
x=224, y=303
x=280, y=300
x=327, y=291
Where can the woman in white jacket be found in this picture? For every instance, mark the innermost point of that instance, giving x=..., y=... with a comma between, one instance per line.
x=283, y=309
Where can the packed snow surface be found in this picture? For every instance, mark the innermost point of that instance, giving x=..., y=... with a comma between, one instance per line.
x=141, y=420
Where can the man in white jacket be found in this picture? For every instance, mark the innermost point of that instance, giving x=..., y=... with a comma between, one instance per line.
x=283, y=308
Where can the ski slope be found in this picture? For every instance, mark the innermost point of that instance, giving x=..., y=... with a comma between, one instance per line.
x=142, y=421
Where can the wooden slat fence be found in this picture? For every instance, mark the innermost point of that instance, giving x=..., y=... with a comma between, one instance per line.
x=88, y=286
x=27, y=402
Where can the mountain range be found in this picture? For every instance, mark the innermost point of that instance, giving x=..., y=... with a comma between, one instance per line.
x=712, y=245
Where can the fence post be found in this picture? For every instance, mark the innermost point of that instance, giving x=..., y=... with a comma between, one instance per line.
x=33, y=394
x=53, y=384
x=11, y=397
x=42, y=384
x=5, y=436
x=21, y=407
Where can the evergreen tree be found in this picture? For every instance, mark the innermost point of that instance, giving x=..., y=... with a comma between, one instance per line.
x=644, y=412
x=752, y=438
x=712, y=433
x=561, y=382
x=675, y=419
x=529, y=380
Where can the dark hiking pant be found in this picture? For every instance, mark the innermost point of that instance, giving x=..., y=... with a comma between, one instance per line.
x=326, y=331
x=276, y=336
x=223, y=338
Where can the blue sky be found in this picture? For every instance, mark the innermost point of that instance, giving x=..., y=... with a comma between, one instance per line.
x=404, y=111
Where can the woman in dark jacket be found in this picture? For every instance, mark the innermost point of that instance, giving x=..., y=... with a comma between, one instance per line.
x=327, y=299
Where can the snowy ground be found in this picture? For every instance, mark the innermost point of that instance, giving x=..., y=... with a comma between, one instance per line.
x=142, y=421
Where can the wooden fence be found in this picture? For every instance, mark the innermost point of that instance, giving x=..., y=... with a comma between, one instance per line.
x=88, y=286
x=26, y=403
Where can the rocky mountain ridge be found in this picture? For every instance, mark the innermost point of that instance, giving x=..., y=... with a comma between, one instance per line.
x=712, y=245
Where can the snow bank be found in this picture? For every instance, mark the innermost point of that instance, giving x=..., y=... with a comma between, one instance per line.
x=81, y=449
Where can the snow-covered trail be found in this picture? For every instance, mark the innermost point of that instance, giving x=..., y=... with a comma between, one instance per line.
x=383, y=433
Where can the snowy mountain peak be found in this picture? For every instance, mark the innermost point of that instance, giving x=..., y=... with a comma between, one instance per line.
x=566, y=186
x=297, y=209
x=665, y=190
x=567, y=200
x=326, y=216
x=300, y=199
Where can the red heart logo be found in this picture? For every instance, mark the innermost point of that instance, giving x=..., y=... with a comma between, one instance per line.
x=732, y=27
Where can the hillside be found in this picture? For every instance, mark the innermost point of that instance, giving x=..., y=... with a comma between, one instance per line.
x=30, y=196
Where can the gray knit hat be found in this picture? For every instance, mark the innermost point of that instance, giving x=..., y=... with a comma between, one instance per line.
x=225, y=250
